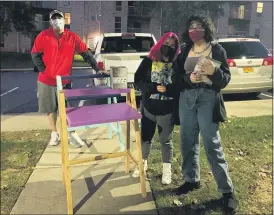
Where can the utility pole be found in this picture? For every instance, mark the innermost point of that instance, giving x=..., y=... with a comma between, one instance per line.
x=99, y=14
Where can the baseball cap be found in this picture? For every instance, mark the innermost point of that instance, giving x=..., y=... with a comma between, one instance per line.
x=56, y=12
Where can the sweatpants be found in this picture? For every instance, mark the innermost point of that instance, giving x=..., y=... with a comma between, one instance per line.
x=165, y=127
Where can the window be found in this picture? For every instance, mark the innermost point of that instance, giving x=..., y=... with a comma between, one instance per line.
x=241, y=12
x=260, y=7
x=118, y=24
x=118, y=5
x=67, y=19
x=126, y=44
x=237, y=50
x=131, y=3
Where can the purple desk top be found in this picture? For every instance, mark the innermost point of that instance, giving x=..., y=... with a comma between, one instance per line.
x=99, y=114
x=94, y=91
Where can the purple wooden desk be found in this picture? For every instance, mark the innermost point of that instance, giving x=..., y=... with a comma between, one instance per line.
x=99, y=114
x=96, y=92
x=74, y=117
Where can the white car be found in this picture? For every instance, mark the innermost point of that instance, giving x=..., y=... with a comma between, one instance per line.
x=251, y=66
x=122, y=49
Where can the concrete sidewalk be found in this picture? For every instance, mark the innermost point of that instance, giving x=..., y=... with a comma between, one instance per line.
x=100, y=187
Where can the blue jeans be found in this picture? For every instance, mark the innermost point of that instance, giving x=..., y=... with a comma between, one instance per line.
x=196, y=112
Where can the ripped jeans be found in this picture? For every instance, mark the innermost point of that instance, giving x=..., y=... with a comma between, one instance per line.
x=196, y=113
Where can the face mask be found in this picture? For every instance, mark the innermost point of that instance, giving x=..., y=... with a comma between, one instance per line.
x=58, y=24
x=168, y=51
x=196, y=35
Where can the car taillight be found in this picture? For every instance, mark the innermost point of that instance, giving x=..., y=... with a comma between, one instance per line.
x=231, y=63
x=101, y=65
x=268, y=61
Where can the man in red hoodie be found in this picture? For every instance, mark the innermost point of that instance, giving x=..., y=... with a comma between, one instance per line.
x=53, y=54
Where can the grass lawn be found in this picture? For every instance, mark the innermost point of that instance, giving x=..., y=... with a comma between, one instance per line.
x=247, y=144
x=13, y=60
x=20, y=151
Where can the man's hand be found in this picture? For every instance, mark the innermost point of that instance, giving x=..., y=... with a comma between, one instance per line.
x=103, y=72
x=207, y=67
x=194, y=78
x=161, y=89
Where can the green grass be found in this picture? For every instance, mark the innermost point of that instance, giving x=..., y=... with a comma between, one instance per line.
x=247, y=143
x=20, y=151
x=13, y=60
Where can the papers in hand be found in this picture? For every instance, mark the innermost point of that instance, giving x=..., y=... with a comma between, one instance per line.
x=198, y=70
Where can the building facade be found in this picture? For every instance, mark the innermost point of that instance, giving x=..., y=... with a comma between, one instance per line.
x=248, y=18
x=88, y=19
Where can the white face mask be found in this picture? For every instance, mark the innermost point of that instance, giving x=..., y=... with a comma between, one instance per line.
x=58, y=24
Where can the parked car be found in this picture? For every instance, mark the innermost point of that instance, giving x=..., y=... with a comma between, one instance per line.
x=122, y=49
x=251, y=66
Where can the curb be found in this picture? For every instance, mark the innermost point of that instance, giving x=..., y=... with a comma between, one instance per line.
x=31, y=69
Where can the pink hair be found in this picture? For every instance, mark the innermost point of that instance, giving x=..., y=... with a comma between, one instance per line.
x=155, y=53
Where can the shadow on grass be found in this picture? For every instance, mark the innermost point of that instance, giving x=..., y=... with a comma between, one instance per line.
x=195, y=208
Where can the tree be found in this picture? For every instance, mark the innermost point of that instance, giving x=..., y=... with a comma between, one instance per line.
x=176, y=13
x=19, y=15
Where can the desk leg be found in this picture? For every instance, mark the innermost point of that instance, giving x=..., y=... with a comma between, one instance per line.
x=127, y=146
x=140, y=158
x=65, y=152
x=66, y=169
x=109, y=125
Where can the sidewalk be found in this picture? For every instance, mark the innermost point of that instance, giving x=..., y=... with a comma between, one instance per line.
x=101, y=187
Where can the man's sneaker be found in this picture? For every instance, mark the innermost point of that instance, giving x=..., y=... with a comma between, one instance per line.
x=187, y=187
x=136, y=172
x=166, y=177
x=76, y=139
x=54, y=139
x=230, y=202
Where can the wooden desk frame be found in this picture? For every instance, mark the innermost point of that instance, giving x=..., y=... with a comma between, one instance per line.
x=66, y=163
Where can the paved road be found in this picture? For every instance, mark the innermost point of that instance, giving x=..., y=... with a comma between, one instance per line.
x=19, y=90
x=19, y=95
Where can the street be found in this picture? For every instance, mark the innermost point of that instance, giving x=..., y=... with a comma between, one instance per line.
x=19, y=90
x=19, y=95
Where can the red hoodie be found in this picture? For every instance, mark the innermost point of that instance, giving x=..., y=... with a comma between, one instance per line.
x=57, y=55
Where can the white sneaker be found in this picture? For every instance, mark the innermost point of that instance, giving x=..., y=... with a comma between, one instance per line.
x=166, y=177
x=77, y=139
x=136, y=172
x=54, y=139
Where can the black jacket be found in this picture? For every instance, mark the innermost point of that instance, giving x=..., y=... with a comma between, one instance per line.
x=142, y=81
x=220, y=78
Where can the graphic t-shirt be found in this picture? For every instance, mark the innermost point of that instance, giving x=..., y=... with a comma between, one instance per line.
x=161, y=73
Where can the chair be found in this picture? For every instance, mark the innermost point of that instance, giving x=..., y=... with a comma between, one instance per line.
x=86, y=116
x=76, y=94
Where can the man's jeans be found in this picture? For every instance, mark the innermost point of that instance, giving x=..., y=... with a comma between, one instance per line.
x=196, y=112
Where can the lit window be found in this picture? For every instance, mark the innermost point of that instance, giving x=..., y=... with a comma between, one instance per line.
x=67, y=19
x=260, y=7
x=241, y=12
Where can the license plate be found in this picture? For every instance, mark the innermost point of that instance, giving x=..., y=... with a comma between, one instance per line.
x=248, y=69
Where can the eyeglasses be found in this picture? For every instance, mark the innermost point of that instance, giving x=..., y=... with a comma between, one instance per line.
x=196, y=26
